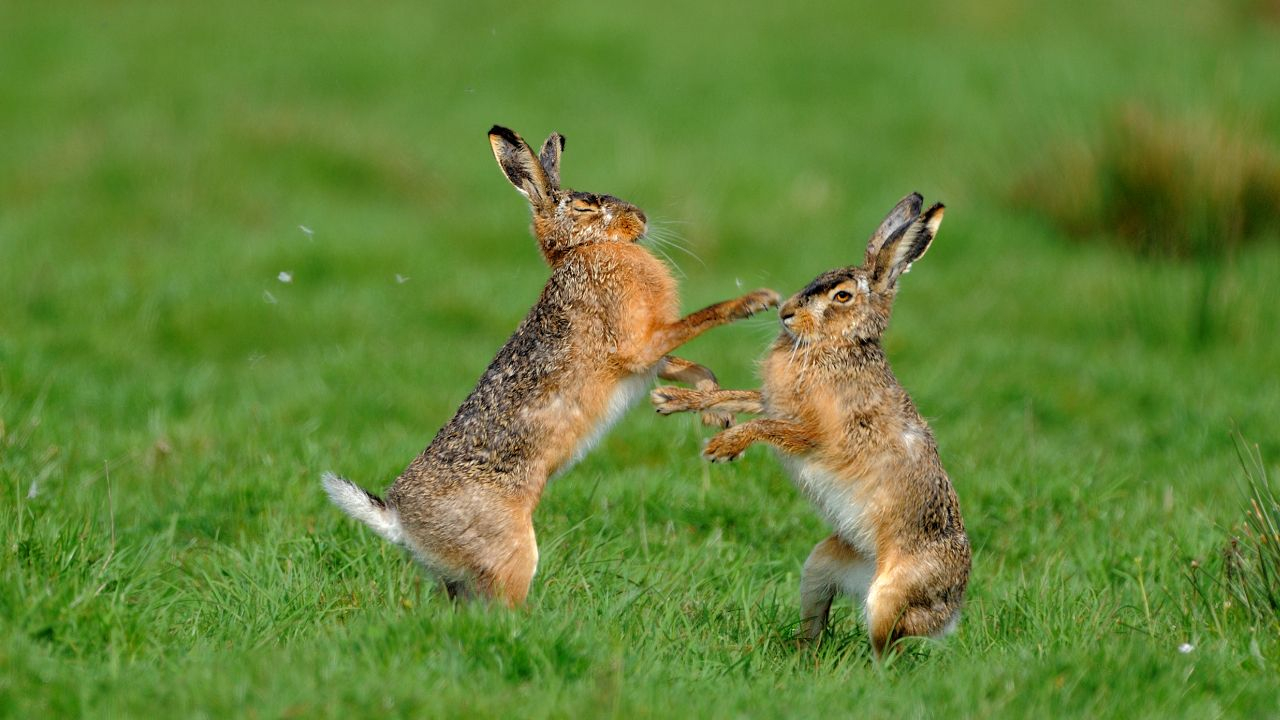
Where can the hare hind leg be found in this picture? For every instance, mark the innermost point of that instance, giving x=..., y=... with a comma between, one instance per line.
x=923, y=608
x=833, y=566
x=507, y=577
x=488, y=555
x=917, y=620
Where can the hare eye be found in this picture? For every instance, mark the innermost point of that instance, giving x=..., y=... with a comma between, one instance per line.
x=582, y=208
x=843, y=296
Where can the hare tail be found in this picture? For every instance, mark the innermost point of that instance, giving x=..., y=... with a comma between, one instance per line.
x=364, y=506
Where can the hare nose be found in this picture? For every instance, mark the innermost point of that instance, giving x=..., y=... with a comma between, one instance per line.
x=787, y=316
x=643, y=219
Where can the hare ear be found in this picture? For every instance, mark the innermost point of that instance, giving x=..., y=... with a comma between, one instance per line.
x=906, y=245
x=520, y=165
x=550, y=157
x=907, y=209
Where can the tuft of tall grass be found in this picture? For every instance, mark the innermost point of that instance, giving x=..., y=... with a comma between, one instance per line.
x=1161, y=186
x=1247, y=585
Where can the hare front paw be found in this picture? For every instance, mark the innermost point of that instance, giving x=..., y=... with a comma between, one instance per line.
x=728, y=445
x=667, y=400
x=754, y=302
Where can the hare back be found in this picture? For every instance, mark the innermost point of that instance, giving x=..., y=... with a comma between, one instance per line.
x=495, y=431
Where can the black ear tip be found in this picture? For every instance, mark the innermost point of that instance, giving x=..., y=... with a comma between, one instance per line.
x=910, y=205
x=504, y=133
x=932, y=217
x=561, y=141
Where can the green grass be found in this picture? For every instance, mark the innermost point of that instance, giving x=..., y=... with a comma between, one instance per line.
x=157, y=160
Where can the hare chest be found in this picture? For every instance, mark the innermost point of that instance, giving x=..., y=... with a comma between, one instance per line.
x=837, y=501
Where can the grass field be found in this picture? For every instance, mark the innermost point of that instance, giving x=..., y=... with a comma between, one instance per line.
x=167, y=405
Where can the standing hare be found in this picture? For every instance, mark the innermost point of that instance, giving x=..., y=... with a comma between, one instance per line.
x=591, y=344
x=855, y=445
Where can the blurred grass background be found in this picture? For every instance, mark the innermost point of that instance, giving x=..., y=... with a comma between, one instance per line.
x=167, y=404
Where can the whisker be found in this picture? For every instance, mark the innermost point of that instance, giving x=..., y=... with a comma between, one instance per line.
x=760, y=322
x=669, y=233
x=656, y=247
x=672, y=239
x=688, y=252
x=658, y=243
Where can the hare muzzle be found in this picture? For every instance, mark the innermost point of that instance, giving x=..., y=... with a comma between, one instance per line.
x=798, y=323
x=626, y=224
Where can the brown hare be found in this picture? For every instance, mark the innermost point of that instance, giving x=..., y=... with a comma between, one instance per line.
x=855, y=445
x=589, y=347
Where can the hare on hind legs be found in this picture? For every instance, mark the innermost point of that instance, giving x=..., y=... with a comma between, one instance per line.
x=855, y=445
x=598, y=334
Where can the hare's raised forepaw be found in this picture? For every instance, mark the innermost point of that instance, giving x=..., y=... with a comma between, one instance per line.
x=758, y=300
x=727, y=446
x=668, y=400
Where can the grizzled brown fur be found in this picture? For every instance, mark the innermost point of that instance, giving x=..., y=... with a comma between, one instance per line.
x=856, y=445
x=598, y=334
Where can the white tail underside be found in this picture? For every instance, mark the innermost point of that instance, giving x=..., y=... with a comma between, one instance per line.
x=357, y=503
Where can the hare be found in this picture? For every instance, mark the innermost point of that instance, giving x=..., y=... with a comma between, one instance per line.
x=592, y=343
x=855, y=445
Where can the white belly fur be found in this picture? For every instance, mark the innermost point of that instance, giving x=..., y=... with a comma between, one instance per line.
x=624, y=396
x=836, y=502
